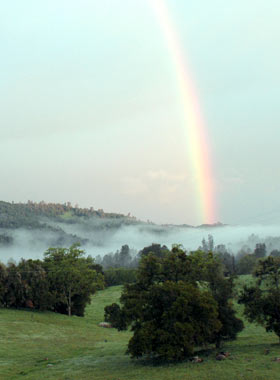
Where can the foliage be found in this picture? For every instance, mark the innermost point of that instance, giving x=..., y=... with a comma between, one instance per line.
x=246, y=264
x=174, y=298
x=156, y=249
x=119, y=276
x=260, y=250
x=14, y=287
x=63, y=282
x=262, y=300
x=115, y=316
x=3, y=282
x=72, y=281
x=125, y=258
x=35, y=283
x=174, y=318
x=207, y=246
x=227, y=259
x=222, y=290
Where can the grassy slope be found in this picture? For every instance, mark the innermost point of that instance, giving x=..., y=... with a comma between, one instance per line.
x=77, y=348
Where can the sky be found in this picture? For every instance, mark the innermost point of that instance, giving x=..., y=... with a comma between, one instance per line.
x=91, y=110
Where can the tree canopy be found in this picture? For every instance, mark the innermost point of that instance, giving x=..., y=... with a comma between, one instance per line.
x=178, y=302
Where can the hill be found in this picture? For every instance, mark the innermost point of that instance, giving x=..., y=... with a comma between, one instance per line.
x=29, y=227
x=35, y=215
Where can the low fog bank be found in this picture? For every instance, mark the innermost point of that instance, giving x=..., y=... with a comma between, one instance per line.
x=104, y=238
x=234, y=238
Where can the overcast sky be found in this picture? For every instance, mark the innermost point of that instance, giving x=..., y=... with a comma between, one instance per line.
x=91, y=111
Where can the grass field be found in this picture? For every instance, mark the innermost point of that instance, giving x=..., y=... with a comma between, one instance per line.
x=52, y=346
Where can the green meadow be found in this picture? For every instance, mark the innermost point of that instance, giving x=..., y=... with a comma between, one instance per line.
x=45, y=345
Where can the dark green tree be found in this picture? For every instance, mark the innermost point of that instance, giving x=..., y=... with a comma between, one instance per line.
x=35, y=284
x=173, y=320
x=260, y=250
x=3, y=281
x=246, y=264
x=115, y=315
x=14, y=287
x=156, y=249
x=227, y=259
x=262, y=300
x=172, y=299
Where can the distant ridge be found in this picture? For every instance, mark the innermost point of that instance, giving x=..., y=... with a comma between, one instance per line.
x=34, y=215
x=15, y=215
x=217, y=224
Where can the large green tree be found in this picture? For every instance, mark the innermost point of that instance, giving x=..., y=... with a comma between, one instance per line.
x=172, y=320
x=72, y=279
x=178, y=302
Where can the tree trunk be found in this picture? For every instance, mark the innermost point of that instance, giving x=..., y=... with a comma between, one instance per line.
x=69, y=303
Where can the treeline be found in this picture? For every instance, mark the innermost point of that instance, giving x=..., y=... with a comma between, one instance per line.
x=63, y=282
x=120, y=267
x=243, y=262
x=129, y=258
x=123, y=258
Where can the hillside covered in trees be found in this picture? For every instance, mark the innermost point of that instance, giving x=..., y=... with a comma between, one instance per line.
x=27, y=230
x=35, y=215
x=37, y=226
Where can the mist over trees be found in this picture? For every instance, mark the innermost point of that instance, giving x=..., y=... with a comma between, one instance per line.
x=117, y=240
x=174, y=299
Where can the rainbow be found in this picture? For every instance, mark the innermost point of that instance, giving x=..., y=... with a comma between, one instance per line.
x=198, y=140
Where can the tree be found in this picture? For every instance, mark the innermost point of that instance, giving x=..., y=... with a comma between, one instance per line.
x=14, y=289
x=246, y=264
x=156, y=249
x=275, y=253
x=178, y=302
x=262, y=300
x=124, y=256
x=222, y=290
x=116, y=316
x=174, y=318
x=207, y=246
x=3, y=278
x=260, y=250
x=72, y=281
x=227, y=259
x=35, y=284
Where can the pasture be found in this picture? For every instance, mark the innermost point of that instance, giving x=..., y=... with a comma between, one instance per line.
x=45, y=345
